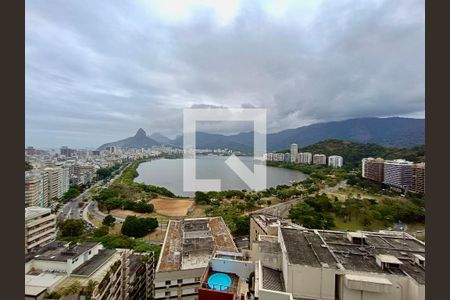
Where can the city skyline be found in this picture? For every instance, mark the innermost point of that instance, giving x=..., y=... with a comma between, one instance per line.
x=95, y=73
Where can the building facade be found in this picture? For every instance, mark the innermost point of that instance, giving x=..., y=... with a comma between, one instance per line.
x=40, y=227
x=294, y=152
x=335, y=161
x=398, y=173
x=319, y=159
x=373, y=169
x=188, y=247
x=117, y=274
x=33, y=192
x=305, y=158
x=322, y=264
x=418, y=178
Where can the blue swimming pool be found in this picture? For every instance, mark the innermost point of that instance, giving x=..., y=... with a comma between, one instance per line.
x=219, y=281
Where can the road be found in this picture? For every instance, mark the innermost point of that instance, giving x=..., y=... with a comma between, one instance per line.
x=281, y=210
x=92, y=207
x=71, y=210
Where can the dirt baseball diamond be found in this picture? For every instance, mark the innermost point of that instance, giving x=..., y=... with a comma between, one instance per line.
x=172, y=207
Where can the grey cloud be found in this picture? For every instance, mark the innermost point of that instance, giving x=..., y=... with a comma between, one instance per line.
x=97, y=71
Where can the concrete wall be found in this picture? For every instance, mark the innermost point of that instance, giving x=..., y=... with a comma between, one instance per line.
x=264, y=294
x=47, y=265
x=240, y=268
x=188, y=276
x=309, y=282
x=273, y=295
x=72, y=264
x=403, y=288
x=271, y=260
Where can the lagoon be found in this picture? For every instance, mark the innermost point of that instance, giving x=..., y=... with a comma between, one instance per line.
x=168, y=173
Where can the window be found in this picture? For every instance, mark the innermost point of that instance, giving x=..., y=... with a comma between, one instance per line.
x=180, y=281
x=167, y=293
x=167, y=282
x=197, y=278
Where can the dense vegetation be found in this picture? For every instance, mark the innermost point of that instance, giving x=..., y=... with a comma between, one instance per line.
x=113, y=198
x=138, y=227
x=28, y=166
x=106, y=173
x=320, y=211
x=124, y=193
x=71, y=193
x=72, y=228
x=109, y=221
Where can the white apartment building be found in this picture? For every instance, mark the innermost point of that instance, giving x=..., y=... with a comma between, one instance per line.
x=188, y=246
x=32, y=188
x=58, y=181
x=294, y=152
x=304, y=158
x=40, y=227
x=398, y=173
x=319, y=159
x=335, y=161
x=36, y=189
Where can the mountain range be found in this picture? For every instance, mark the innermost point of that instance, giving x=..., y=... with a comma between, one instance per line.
x=395, y=132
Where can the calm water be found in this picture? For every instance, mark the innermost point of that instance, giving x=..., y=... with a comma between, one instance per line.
x=168, y=173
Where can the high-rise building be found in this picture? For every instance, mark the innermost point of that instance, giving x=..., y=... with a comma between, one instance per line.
x=36, y=189
x=40, y=227
x=58, y=181
x=188, y=247
x=65, y=181
x=335, y=161
x=319, y=159
x=32, y=187
x=294, y=152
x=398, y=173
x=118, y=274
x=418, y=178
x=373, y=169
x=66, y=151
x=304, y=158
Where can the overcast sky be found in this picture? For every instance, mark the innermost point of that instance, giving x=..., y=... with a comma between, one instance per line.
x=96, y=71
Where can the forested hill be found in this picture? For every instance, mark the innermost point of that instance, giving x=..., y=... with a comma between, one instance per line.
x=353, y=152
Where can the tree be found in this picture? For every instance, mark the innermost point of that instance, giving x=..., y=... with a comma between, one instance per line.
x=138, y=227
x=72, y=228
x=72, y=289
x=109, y=221
x=28, y=166
x=142, y=207
x=101, y=231
x=71, y=193
x=90, y=286
x=242, y=225
x=201, y=198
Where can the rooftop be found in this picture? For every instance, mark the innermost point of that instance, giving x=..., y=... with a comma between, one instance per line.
x=190, y=243
x=273, y=279
x=93, y=264
x=334, y=250
x=35, y=211
x=59, y=251
x=264, y=221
